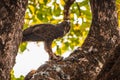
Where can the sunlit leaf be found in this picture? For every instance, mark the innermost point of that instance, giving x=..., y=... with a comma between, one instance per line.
x=41, y=1
x=54, y=44
x=31, y=8
x=23, y=47
x=58, y=50
x=62, y=2
x=40, y=16
x=57, y=10
x=84, y=2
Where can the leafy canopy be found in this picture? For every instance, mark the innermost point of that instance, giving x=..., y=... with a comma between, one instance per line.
x=51, y=11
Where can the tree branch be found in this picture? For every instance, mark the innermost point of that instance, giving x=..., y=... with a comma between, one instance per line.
x=67, y=6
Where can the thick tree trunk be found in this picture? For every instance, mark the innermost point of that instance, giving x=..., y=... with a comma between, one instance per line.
x=104, y=34
x=111, y=69
x=86, y=62
x=11, y=22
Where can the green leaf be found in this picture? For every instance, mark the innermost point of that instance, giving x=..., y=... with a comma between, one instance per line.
x=58, y=50
x=83, y=3
x=31, y=8
x=40, y=16
x=45, y=1
x=57, y=10
x=23, y=47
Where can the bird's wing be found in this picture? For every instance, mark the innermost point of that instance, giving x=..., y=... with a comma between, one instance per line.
x=45, y=31
x=28, y=31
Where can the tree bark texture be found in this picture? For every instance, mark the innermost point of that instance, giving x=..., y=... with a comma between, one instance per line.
x=111, y=69
x=11, y=22
x=86, y=62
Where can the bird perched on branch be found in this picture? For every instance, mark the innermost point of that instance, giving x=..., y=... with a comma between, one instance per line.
x=46, y=33
x=49, y=32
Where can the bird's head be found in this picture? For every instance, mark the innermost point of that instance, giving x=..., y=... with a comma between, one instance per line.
x=66, y=26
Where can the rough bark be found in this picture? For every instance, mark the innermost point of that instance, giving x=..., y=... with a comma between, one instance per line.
x=86, y=62
x=11, y=22
x=111, y=69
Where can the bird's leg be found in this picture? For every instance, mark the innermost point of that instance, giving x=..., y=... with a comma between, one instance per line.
x=48, y=48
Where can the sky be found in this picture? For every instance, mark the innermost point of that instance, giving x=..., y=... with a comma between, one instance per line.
x=31, y=58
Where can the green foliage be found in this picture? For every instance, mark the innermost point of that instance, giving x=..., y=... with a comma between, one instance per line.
x=23, y=47
x=51, y=11
x=14, y=78
x=118, y=10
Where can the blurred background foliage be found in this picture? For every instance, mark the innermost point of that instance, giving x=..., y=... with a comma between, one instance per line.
x=118, y=10
x=51, y=11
